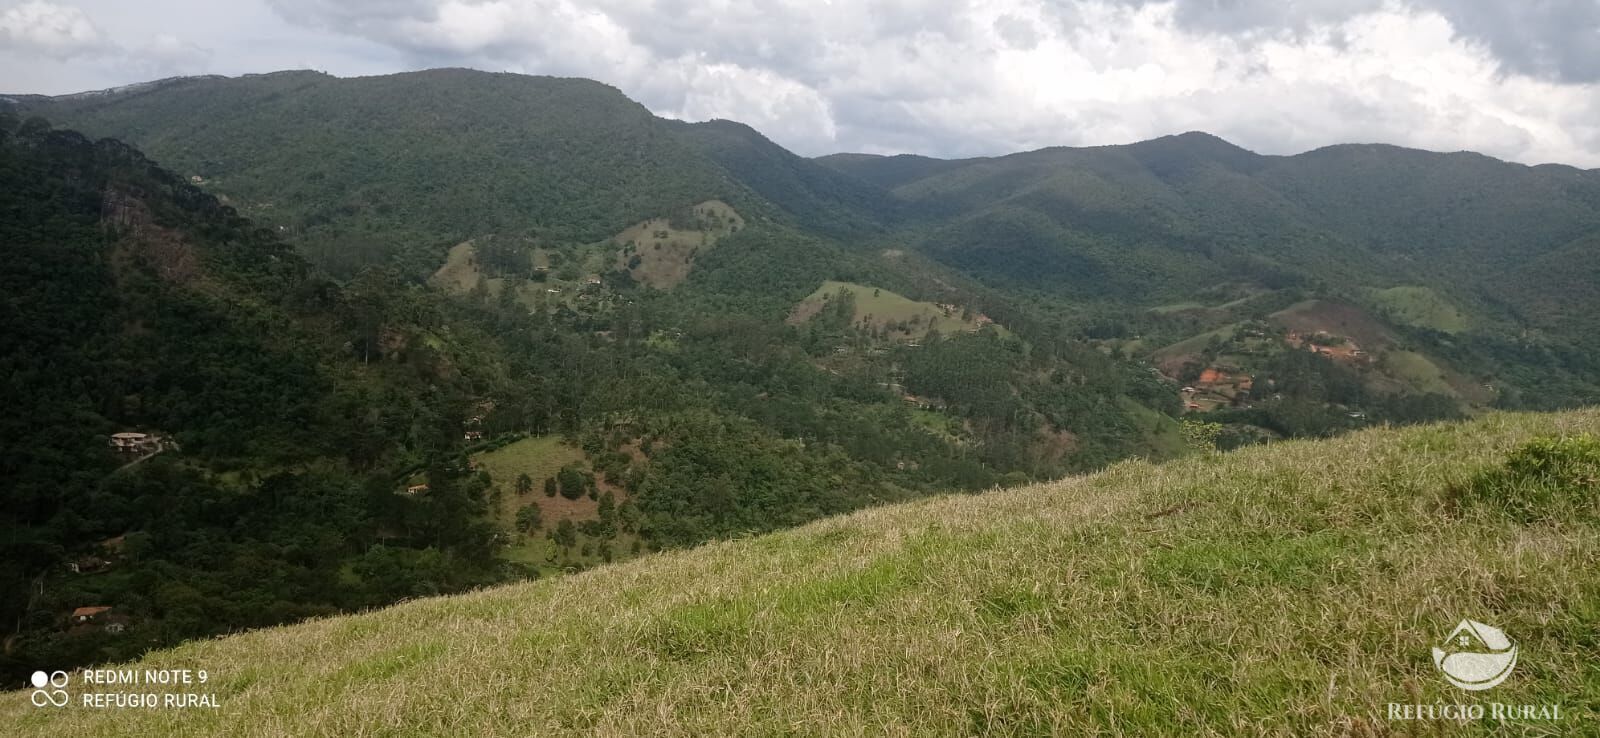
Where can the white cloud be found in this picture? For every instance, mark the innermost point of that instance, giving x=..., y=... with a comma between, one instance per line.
x=961, y=77
x=58, y=31
x=965, y=77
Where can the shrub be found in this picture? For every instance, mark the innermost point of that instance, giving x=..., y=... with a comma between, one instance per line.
x=1544, y=479
x=529, y=519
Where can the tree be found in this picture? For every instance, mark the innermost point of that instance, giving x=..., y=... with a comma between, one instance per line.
x=573, y=482
x=565, y=535
x=529, y=518
x=524, y=483
x=549, y=486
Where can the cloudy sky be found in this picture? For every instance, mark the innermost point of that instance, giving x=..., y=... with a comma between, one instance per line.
x=1517, y=79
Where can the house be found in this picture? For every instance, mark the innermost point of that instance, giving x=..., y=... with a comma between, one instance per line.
x=592, y=280
x=85, y=615
x=88, y=565
x=197, y=179
x=1193, y=406
x=133, y=443
x=1189, y=390
x=416, y=489
x=473, y=435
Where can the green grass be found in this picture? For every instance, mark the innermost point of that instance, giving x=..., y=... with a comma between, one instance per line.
x=1420, y=306
x=1197, y=343
x=1162, y=435
x=1293, y=589
x=658, y=255
x=1418, y=371
x=881, y=307
x=540, y=457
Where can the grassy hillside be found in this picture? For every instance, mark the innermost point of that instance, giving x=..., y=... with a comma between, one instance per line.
x=900, y=317
x=1289, y=590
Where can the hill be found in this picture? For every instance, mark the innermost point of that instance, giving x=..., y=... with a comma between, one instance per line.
x=395, y=167
x=349, y=168
x=266, y=410
x=329, y=445
x=1290, y=590
x=1467, y=256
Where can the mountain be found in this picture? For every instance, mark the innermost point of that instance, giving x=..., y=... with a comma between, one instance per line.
x=423, y=332
x=366, y=169
x=203, y=433
x=299, y=445
x=820, y=198
x=1302, y=584
x=888, y=172
x=1204, y=235
x=350, y=168
x=1198, y=211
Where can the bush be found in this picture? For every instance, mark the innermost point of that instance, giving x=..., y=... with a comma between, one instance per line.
x=529, y=519
x=1544, y=479
x=574, y=482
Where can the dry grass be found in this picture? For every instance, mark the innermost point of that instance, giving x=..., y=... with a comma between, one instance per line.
x=1292, y=589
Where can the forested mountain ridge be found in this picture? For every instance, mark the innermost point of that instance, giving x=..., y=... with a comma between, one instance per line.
x=1363, y=213
x=1455, y=252
x=353, y=168
x=271, y=406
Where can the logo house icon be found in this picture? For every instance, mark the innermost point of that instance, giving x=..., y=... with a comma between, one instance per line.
x=56, y=695
x=1475, y=656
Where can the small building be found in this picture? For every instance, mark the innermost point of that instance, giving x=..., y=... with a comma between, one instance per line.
x=86, y=615
x=132, y=442
x=473, y=435
x=88, y=565
x=416, y=489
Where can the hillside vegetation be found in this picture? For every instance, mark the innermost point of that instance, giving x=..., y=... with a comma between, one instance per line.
x=1288, y=590
x=393, y=167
